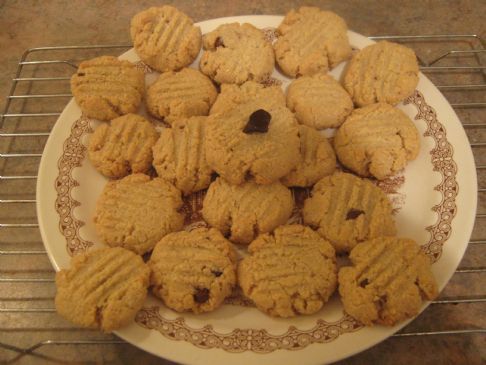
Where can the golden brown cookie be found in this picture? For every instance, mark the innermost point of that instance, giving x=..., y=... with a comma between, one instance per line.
x=182, y=94
x=180, y=157
x=310, y=41
x=377, y=140
x=319, y=101
x=383, y=72
x=257, y=139
x=317, y=159
x=289, y=272
x=165, y=38
x=232, y=95
x=193, y=271
x=388, y=282
x=106, y=87
x=122, y=147
x=347, y=210
x=103, y=288
x=243, y=211
x=136, y=212
x=235, y=53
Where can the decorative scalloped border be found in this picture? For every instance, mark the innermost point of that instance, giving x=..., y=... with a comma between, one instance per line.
x=259, y=340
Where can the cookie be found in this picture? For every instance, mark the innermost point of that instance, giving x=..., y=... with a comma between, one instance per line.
x=232, y=95
x=180, y=157
x=289, y=272
x=182, y=94
x=319, y=101
x=377, y=140
x=388, y=281
x=347, y=210
x=317, y=159
x=136, y=212
x=165, y=38
x=383, y=72
x=241, y=212
x=193, y=271
x=102, y=289
x=106, y=87
x=257, y=139
x=122, y=147
x=310, y=41
x=235, y=53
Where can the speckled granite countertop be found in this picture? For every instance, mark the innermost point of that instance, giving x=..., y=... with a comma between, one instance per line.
x=27, y=24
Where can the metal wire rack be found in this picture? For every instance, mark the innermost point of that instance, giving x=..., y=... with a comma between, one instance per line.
x=30, y=330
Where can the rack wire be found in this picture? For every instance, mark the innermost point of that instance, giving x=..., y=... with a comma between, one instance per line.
x=30, y=330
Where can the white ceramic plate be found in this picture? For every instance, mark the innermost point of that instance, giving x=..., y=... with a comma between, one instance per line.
x=435, y=198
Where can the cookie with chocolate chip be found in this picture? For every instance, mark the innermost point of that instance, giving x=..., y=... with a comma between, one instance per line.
x=193, y=271
x=347, y=210
x=388, y=281
x=256, y=139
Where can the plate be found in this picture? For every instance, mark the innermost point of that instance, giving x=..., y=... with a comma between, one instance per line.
x=435, y=203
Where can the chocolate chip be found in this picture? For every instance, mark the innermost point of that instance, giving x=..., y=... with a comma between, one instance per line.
x=81, y=74
x=353, y=213
x=216, y=273
x=364, y=283
x=219, y=43
x=201, y=295
x=258, y=122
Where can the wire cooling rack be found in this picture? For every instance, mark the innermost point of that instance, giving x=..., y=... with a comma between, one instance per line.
x=32, y=333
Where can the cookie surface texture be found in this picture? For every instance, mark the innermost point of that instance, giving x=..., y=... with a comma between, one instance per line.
x=136, y=212
x=243, y=211
x=180, y=157
x=165, y=38
x=102, y=289
x=317, y=159
x=176, y=95
x=237, y=153
x=347, y=210
x=311, y=40
x=377, y=140
x=232, y=95
x=106, y=87
x=289, y=272
x=235, y=53
x=122, y=147
x=383, y=72
x=388, y=282
x=319, y=101
x=193, y=271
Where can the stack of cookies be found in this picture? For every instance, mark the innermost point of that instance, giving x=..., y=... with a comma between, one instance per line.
x=248, y=146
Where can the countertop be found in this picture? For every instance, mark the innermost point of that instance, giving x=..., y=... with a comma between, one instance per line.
x=27, y=24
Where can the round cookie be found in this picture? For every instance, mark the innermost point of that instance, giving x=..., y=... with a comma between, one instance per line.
x=182, y=94
x=243, y=211
x=122, y=147
x=232, y=95
x=165, y=38
x=180, y=157
x=319, y=101
x=310, y=41
x=383, y=72
x=377, y=140
x=136, y=212
x=317, y=159
x=193, y=271
x=388, y=282
x=235, y=53
x=103, y=289
x=347, y=210
x=258, y=138
x=106, y=87
x=289, y=272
